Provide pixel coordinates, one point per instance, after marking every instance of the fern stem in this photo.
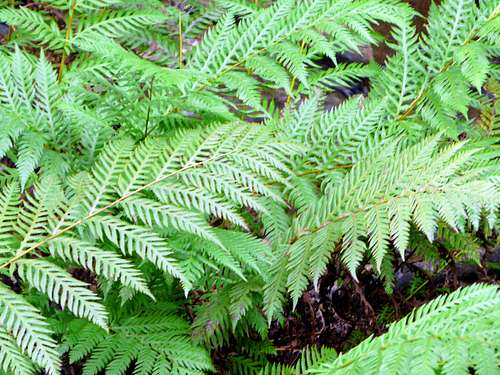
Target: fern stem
(69, 22)
(110, 205)
(318, 171)
(149, 107)
(292, 84)
(180, 39)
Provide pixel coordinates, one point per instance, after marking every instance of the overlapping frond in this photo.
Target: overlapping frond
(374, 203)
(63, 289)
(147, 215)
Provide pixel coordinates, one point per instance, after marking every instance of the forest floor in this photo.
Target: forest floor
(341, 315)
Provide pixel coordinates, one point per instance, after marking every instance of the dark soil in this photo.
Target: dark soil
(341, 312)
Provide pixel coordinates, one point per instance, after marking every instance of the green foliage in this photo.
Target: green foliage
(158, 201)
(140, 338)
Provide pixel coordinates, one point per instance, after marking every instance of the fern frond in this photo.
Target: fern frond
(449, 26)
(34, 25)
(474, 63)
(102, 262)
(343, 75)
(116, 24)
(30, 152)
(377, 206)
(9, 200)
(108, 168)
(155, 333)
(63, 289)
(153, 213)
(11, 358)
(29, 329)
(33, 217)
(132, 239)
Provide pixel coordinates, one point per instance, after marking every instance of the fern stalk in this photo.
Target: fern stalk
(294, 79)
(180, 39)
(69, 22)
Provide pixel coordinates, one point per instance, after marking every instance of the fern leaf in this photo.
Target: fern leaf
(297, 281)
(474, 63)
(102, 262)
(353, 247)
(117, 24)
(63, 289)
(141, 166)
(9, 200)
(11, 358)
(108, 168)
(29, 329)
(276, 283)
(33, 217)
(193, 198)
(46, 92)
(132, 239)
(152, 213)
(31, 146)
(378, 227)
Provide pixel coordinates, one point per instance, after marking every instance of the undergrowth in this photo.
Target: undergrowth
(159, 204)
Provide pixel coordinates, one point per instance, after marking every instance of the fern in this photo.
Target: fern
(380, 206)
(29, 329)
(160, 152)
(91, 247)
(309, 358)
(368, 160)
